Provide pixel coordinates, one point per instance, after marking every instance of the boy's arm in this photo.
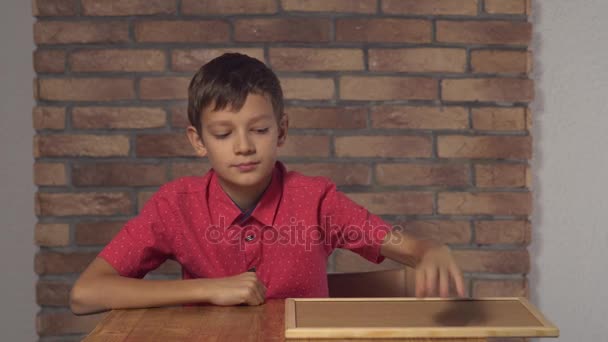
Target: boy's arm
(433, 262)
(101, 288)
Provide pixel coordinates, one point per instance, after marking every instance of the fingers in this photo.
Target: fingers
(444, 282)
(431, 281)
(458, 280)
(256, 290)
(420, 283)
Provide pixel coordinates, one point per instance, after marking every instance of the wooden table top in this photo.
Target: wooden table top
(203, 323)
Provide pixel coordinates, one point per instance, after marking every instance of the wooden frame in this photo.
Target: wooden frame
(541, 327)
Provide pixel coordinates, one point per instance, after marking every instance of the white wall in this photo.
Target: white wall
(569, 281)
(17, 220)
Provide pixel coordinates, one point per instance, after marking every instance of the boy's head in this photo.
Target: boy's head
(225, 82)
(235, 109)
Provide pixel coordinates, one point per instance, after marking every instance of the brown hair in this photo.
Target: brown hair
(226, 81)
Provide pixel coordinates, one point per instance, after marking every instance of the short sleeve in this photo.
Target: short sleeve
(143, 243)
(351, 226)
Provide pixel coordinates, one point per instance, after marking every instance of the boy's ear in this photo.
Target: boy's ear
(196, 141)
(283, 127)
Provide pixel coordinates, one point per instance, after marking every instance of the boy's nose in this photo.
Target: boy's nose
(243, 145)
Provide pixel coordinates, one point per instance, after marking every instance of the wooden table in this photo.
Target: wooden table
(204, 323)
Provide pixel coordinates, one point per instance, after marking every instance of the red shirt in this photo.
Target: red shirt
(287, 238)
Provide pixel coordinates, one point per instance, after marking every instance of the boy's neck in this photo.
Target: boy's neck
(246, 198)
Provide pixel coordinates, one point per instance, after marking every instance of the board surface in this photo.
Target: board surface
(413, 317)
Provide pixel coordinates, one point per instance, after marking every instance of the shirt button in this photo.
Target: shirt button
(249, 238)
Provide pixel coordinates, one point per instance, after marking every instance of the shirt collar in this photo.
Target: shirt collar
(221, 205)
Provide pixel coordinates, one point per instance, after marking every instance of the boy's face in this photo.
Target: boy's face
(231, 140)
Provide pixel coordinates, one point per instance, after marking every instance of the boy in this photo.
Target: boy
(247, 230)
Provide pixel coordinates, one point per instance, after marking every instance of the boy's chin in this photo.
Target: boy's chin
(247, 179)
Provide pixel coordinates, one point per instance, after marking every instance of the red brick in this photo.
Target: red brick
(86, 89)
(529, 119)
(117, 60)
(501, 261)
(83, 203)
(499, 119)
(118, 174)
(500, 175)
(377, 88)
(383, 30)
(65, 322)
(434, 7)
(81, 146)
(179, 116)
(164, 145)
(48, 117)
(189, 169)
(142, 199)
(43, 8)
(422, 174)
(500, 288)
(409, 117)
(485, 203)
(50, 174)
(292, 30)
(52, 293)
(51, 61)
(327, 117)
(308, 88)
(383, 146)
(352, 6)
(52, 234)
(96, 233)
(395, 203)
(502, 232)
(59, 32)
(418, 60)
(52, 263)
(305, 146)
(447, 232)
(488, 89)
(127, 7)
(346, 261)
(505, 6)
(164, 88)
(193, 59)
(118, 117)
(509, 147)
(341, 174)
(484, 32)
(207, 7)
(500, 62)
(313, 59)
(174, 31)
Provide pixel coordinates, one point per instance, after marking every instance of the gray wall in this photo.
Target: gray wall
(570, 239)
(570, 243)
(17, 309)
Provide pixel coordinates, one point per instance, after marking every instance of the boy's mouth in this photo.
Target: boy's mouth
(248, 166)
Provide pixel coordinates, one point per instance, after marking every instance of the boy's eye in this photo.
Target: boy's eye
(221, 136)
(261, 130)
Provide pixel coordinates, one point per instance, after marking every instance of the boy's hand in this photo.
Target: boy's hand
(435, 271)
(244, 288)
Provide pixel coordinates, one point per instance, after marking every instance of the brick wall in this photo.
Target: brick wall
(417, 109)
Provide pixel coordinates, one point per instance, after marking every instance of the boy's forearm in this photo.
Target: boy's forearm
(405, 248)
(106, 292)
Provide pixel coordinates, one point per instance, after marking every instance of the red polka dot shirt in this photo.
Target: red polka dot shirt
(287, 237)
